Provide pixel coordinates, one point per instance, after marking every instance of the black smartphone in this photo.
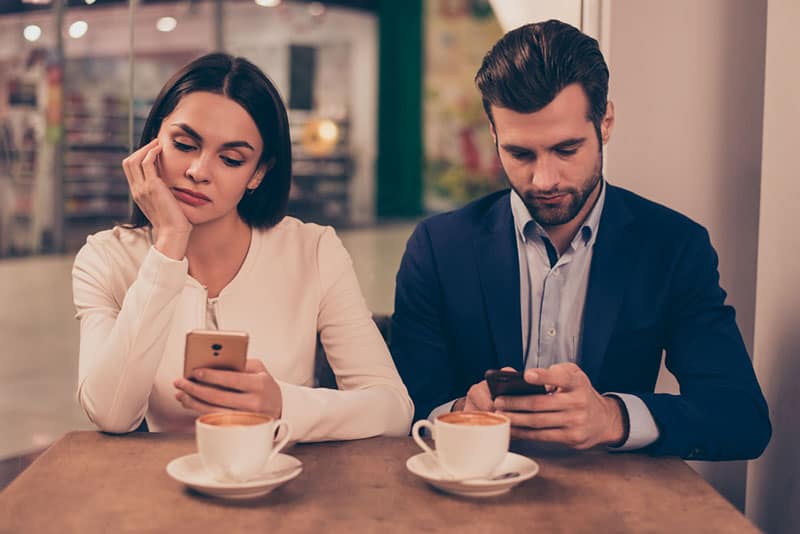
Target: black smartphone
(510, 383)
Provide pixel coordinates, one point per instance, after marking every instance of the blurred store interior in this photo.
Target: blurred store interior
(387, 128)
(77, 79)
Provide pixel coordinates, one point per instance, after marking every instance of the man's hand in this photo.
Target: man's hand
(573, 414)
(253, 390)
(478, 399)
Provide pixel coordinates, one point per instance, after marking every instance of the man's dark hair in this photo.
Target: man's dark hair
(244, 83)
(527, 68)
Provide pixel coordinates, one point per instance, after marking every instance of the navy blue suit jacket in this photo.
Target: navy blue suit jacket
(653, 286)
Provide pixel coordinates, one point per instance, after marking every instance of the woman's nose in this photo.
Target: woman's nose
(199, 170)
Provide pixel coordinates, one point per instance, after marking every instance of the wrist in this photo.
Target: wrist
(619, 427)
(172, 243)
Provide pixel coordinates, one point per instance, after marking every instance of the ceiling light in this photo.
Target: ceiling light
(78, 29)
(268, 3)
(315, 9)
(166, 24)
(89, 2)
(32, 32)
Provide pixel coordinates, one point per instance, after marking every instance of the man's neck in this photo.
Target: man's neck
(562, 235)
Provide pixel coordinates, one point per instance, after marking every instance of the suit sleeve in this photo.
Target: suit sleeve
(720, 413)
(419, 345)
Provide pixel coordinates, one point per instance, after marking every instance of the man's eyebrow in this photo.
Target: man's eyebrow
(197, 137)
(515, 148)
(574, 142)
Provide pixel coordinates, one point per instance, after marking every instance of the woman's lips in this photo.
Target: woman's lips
(193, 198)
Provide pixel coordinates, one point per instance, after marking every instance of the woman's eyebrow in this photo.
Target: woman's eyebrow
(199, 138)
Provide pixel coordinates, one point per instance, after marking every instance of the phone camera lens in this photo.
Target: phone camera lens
(216, 346)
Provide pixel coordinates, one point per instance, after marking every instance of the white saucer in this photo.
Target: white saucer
(190, 471)
(425, 466)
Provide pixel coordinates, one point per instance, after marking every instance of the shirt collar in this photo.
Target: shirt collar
(586, 235)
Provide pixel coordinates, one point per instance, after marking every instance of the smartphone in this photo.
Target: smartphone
(215, 349)
(510, 383)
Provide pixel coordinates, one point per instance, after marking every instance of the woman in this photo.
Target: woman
(210, 247)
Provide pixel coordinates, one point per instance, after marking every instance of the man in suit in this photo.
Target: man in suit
(577, 282)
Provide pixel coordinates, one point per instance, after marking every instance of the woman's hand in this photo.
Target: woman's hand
(253, 390)
(151, 194)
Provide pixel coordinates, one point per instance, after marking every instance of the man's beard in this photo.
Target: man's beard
(568, 208)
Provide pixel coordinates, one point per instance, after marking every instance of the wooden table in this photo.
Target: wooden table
(92, 482)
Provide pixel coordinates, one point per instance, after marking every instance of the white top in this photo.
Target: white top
(135, 307)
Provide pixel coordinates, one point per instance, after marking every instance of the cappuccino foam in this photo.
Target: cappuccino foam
(234, 419)
(472, 418)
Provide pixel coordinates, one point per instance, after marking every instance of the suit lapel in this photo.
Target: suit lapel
(612, 260)
(498, 268)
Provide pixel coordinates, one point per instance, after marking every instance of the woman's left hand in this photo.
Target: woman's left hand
(254, 390)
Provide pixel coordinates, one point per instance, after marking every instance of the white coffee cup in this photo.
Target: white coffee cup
(468, 444)
(237, 446)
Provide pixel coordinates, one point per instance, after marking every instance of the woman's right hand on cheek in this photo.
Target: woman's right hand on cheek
(151, 194)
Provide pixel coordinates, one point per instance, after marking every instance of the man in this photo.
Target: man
(579, 283)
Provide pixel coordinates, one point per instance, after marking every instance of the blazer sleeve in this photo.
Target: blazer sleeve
(419, 345)
(721, 413)
(121, 344)
(371, 399)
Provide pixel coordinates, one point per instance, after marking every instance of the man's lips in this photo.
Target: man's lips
(549, 198)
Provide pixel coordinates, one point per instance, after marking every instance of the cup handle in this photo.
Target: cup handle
(424, 423)
(282, 441)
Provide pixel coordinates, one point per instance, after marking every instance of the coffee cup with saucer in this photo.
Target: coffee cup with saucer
(238, 456)
(471, 455)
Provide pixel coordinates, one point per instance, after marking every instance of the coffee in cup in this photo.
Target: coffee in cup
(237, 446)
(468, 444)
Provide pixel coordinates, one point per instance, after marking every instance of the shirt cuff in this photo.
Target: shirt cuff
(643, 428)
(447, 407)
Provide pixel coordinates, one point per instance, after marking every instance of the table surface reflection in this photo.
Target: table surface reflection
(93, 482)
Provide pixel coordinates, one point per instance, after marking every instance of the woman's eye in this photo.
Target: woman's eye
(230, 162)
(183, 147)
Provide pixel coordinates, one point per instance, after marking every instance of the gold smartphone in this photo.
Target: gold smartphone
(215, 349)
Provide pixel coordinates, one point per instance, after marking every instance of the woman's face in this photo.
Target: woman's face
(210, 153)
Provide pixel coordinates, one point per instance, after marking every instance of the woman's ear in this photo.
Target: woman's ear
(260, 173)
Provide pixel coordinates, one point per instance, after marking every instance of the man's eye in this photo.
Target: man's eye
(566, 151)
(230, 162)
(183, 147)
(521, 155)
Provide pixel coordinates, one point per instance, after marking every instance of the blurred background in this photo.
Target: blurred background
(387, 127)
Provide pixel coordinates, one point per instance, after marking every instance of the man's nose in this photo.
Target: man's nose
(544, 175)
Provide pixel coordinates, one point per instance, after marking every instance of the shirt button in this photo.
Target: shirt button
(551, 332)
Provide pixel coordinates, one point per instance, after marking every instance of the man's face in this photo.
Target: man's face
(552, 157)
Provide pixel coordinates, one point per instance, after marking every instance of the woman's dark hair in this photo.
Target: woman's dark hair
(244, 83)
(527, 68)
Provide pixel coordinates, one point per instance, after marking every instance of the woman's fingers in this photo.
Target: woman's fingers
(132, 165)
(191, 403)
(149, 170)
(215, 396)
